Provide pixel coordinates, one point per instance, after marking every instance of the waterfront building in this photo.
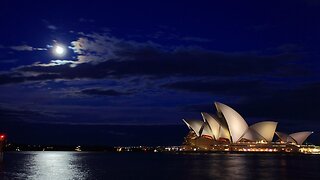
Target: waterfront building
(227, 130)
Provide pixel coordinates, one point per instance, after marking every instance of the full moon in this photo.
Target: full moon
(59, 50)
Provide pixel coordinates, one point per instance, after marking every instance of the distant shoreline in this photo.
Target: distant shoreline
(124, 149)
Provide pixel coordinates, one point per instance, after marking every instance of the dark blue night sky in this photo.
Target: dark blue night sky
(134, 69)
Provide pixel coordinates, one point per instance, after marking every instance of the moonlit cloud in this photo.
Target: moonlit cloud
(22, 48)
(99, 44)
(26, 48)
(49, 25)
(52, 27)
(95, 48)
(55, 63)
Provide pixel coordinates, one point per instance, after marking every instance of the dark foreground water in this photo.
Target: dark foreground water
(73, 165)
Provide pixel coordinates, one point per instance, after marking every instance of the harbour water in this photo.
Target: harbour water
(88, 165)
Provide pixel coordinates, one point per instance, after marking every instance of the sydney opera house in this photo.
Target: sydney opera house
(228, 131)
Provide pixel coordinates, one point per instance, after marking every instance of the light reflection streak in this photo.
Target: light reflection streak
(55, 165)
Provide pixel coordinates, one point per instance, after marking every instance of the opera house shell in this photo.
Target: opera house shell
(229, 127)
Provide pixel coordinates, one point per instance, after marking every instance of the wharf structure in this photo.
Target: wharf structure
(228, 131)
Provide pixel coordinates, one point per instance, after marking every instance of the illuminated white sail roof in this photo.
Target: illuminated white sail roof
(252, 135)
(194, 125)
(282, 136)
(224, 133)
(236, 124)
(300, 137)
(218, 128)
(214, 125)
(206, 130)
(297, 138)
(266, 129)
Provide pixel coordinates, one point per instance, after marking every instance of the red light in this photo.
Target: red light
(2, 137)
